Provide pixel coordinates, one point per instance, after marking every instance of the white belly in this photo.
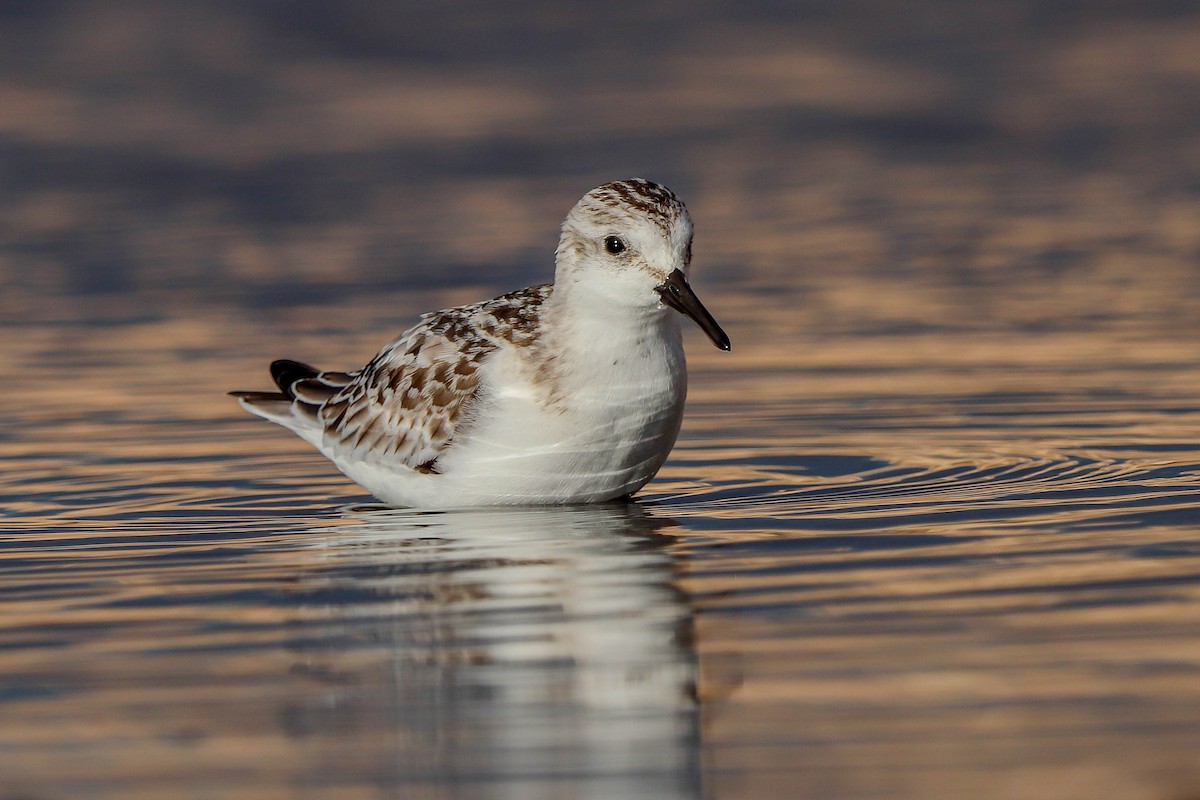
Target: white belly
(606, 435)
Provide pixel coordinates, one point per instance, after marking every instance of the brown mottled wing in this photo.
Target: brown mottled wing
(406, 405)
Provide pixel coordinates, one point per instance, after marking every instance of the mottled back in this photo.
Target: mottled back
(409, 402)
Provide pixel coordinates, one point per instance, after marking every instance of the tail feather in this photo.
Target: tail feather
(302, 391)
(275, 406)
(259, 397)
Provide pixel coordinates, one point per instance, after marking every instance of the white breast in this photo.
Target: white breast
(600, 429)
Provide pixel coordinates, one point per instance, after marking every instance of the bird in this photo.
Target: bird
(561, 393)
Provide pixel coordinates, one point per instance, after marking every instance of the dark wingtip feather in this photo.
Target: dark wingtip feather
(311, 391)
(285, 372)
(260, 397)
(337, 380)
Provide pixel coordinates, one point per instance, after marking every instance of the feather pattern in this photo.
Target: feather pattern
(406, 405)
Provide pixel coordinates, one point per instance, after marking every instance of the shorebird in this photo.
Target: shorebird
(570, 392)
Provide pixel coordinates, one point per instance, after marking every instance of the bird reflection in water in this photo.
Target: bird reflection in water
(510, 648)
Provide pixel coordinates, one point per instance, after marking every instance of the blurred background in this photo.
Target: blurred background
(1000, 162)
(930, 530)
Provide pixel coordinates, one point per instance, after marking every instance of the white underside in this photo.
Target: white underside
(607, 435)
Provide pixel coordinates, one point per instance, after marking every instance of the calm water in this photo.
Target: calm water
(932, 529)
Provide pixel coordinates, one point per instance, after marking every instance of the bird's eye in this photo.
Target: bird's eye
(614, 245)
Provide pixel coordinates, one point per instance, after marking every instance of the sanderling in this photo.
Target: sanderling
(570, 392)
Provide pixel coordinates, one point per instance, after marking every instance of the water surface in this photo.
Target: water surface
(932, 529)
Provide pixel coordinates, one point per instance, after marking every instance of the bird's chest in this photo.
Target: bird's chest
(604, 404)
(631, 396)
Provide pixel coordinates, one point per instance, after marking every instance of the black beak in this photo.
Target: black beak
(676, 293)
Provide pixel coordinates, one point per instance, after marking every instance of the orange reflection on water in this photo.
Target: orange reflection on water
(930, 530)
(950, 554)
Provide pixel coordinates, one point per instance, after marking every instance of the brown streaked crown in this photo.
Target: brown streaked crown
(658, 203)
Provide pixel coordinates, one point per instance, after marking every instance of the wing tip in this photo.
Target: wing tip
(286, 372)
